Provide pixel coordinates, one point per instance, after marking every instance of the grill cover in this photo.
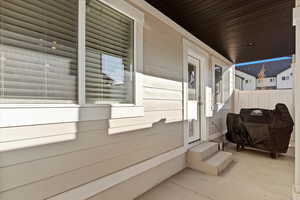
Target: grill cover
(268, 130)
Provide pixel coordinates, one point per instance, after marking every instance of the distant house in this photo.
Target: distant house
(244, 81)
(285, 79)
(265, 76)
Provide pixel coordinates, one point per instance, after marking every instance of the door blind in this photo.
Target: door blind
(109, 54)
(38, 51)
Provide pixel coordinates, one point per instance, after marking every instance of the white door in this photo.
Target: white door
(193, 102)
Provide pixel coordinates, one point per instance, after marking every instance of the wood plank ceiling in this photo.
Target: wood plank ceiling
(241, 30)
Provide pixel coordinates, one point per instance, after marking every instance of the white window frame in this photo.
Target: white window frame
(12, 115)
(118, 110)
(214, 62)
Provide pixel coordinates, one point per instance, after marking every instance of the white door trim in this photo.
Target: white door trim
(191, 49)
(193, 105)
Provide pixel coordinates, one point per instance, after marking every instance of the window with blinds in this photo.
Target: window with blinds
(109, 55)
(218, 84)
(38, 51)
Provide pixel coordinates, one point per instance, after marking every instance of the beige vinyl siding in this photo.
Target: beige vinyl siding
(44, 171)
(72, 169)
(136, 186)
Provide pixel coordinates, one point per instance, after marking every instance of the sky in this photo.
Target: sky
(263, 61)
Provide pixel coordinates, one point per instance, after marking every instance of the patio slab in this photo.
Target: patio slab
(253, 175)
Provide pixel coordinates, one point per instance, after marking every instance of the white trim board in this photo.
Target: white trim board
(190, 49)
(26, 116)
(296, 196)
(297, 188)
(156, 13)
(90, 189)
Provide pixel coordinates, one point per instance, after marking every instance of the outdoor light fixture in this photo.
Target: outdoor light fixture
(250, 44)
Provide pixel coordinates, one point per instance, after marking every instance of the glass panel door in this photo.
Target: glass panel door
(193, 99)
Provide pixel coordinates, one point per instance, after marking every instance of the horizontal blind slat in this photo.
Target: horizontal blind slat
(60, 39)
(38, 47)
(99, 20)
(35, 68)
(109, 54)
(67, 6)
(104, 29)
(108, 12)
(43, 10)
(37, 80)
(15, 39)
(94, 56)
(32, 93)
(44, 25)
(37, 29)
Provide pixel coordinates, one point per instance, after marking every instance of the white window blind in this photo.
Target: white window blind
(38, 51)
(109, 55)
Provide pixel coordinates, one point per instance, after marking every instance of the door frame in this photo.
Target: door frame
(193, 50)
(196, 102)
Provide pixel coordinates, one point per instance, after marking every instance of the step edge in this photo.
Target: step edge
(227, 155)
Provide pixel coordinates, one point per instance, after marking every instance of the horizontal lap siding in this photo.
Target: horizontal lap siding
(40, 172)
(66, 171)
(136, 186)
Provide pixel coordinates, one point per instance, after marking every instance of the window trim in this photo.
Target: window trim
(223, 65)
(138, 17)
(48, 113)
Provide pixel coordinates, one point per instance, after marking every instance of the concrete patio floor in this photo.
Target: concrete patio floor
(252, 176)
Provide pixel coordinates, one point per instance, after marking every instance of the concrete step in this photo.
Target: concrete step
(202, 151)
(218, 162)
(208, 160)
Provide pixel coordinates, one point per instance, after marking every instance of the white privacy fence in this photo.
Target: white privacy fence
(266, 99)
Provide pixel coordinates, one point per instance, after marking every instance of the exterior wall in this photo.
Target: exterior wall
(140, 184)
(288, 82)
(266, 83)
(217, 123)
(42, 172)
(249, 82)
(25, 173)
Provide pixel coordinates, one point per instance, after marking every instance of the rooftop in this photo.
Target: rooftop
(271, 68)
